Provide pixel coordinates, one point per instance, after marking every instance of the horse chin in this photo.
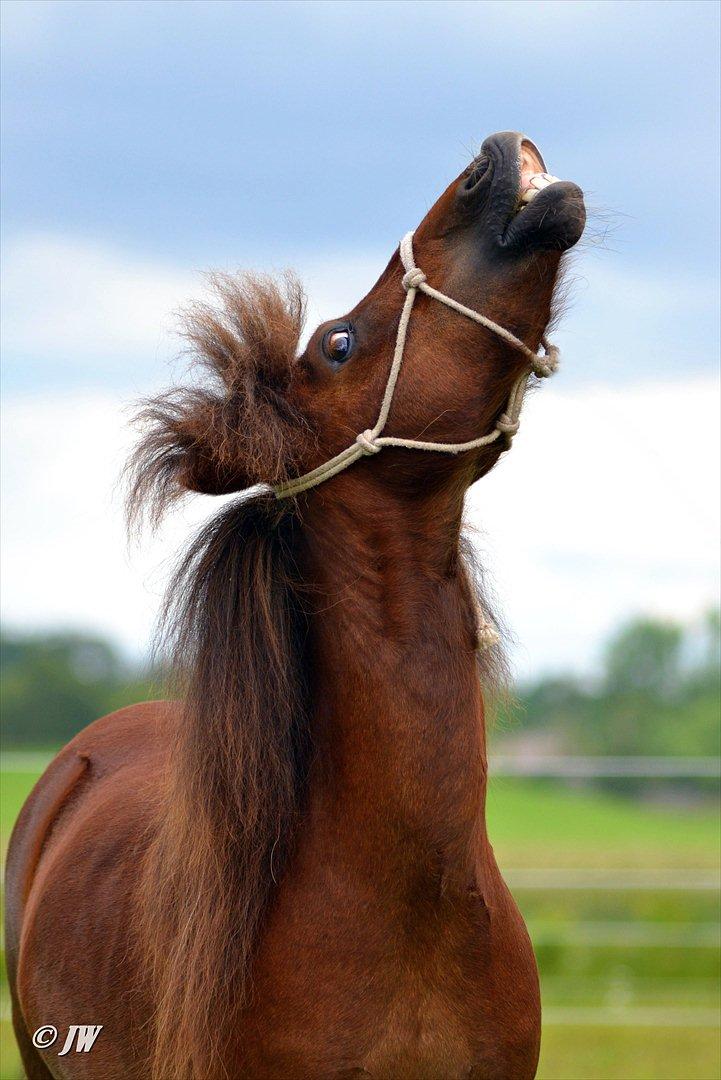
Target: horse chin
(553, 221)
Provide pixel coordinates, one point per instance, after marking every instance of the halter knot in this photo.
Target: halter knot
(507, 425)
(486, 636)
(413, 278)
(546, 365)
(367, 442)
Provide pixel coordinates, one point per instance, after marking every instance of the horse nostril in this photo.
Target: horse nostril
(480, 170)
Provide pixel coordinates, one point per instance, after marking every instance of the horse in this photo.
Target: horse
(284, 871)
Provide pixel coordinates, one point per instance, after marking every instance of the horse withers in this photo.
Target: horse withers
(286, 872)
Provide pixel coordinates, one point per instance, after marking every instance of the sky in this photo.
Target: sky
(144, 143)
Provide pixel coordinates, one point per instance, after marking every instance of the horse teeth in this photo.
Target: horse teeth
(537, 183)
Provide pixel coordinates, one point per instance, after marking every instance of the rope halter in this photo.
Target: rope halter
(372, 441)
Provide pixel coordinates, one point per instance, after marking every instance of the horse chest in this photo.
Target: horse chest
(420, 1036)
(354, 982)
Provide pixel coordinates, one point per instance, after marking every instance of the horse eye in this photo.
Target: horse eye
(338, 344)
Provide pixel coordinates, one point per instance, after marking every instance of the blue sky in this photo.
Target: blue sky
(144, 142)
(202, 128)
(244, 133)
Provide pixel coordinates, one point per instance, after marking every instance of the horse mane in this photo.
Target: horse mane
(233, 629)
(234, 789)
(236, 427)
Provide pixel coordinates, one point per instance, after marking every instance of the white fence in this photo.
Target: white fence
(563, 768)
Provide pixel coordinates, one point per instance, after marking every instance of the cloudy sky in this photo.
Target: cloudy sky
(147, 142)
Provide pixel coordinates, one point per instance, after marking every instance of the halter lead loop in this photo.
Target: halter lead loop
(371, 441)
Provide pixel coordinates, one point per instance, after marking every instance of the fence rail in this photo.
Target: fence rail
(598, 766)
(629, 935)
(630, 1016)
(553, 766)
(614, 880)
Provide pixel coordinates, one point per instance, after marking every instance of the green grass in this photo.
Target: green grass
(10, 1068)
(14, 789)
(13, 793)
(621, 1053)
(602, 951)
(536, 823)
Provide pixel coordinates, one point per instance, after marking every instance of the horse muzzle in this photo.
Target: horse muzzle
(518, 205)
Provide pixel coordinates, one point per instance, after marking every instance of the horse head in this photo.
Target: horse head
(273, 414)
(481, 245)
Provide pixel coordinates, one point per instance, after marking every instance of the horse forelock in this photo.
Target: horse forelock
(236, 427)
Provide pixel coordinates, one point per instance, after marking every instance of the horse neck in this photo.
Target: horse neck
(397, 710)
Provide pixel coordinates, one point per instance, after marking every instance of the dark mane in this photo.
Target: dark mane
(237, 429)
(237, 776)
(233, 629)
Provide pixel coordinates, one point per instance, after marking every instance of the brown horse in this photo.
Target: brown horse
(288, 874)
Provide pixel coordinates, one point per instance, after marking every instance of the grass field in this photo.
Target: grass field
(630, 979)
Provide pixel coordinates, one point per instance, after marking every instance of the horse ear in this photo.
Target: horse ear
(241, 429)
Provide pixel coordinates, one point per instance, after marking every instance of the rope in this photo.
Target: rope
(371, 441)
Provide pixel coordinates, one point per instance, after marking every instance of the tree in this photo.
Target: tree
(644, 657)
(55, 684)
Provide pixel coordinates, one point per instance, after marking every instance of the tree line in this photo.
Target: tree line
(657, 691)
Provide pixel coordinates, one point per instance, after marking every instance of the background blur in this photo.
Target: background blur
(147, 142)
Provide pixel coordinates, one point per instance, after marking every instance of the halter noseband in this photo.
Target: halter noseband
(371, 441)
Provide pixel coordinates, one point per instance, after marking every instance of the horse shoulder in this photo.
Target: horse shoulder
(114, 741)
